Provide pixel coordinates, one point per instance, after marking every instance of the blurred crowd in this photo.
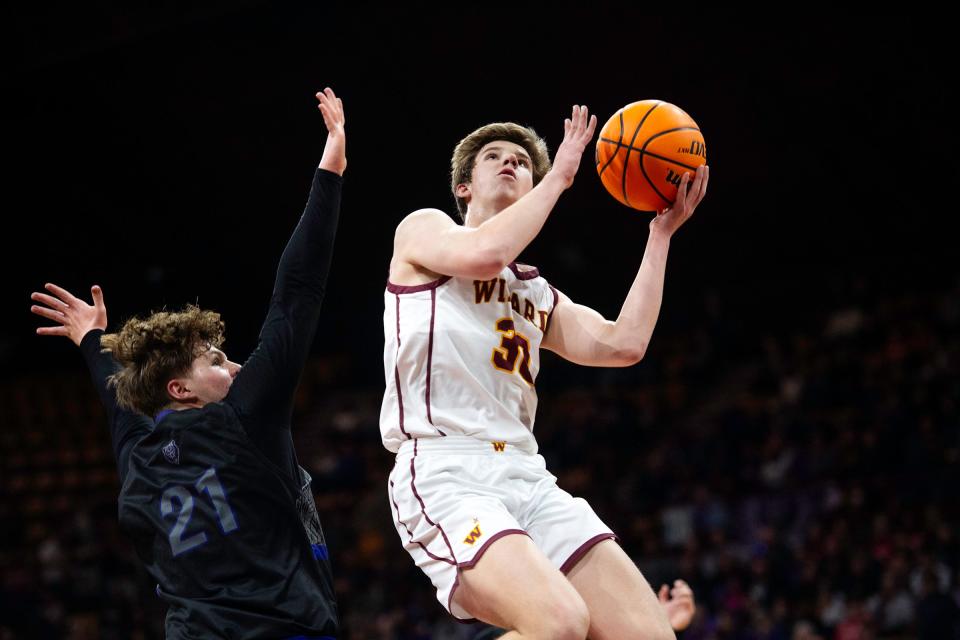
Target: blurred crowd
(803, 480)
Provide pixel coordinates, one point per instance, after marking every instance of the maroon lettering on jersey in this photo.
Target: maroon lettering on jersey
(528, 310)
(544, 317)
(484, 289)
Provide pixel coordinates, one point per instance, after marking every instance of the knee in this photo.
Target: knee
(568, 619)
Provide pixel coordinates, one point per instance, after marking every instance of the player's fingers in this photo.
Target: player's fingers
(97, 293)
(331, 104)
(703, 185)
(591, 127)
(682, 588)
(49, 314)
(664, 593)
(50, 301)
(567, 125)
(698, 182)
(61, 293)
(682, 593)
(697, 179)
(52, 331)
(693, 192)
(343, 118)
(327, 117)
(682, 191)
(693, 200)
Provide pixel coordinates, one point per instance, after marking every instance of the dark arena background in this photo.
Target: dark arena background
(790, 443)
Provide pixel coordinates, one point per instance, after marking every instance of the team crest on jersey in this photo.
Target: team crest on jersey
(499, 446)
(473, 535)
(171, 452)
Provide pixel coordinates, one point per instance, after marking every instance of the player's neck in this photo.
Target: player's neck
(182, 406)
(480, 213)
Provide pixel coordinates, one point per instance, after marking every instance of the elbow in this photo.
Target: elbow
(488, 262)
(631, 355)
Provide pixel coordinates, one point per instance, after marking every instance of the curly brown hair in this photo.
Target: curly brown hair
(155, 349)
(465, 154)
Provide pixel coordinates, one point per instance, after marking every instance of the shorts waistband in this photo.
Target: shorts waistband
(459, 444)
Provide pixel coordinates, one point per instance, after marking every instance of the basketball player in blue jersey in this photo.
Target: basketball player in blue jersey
(472, 501)
(219, 509)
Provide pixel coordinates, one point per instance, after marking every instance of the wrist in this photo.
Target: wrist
(555, 181)
(90, 338)
(658, 234)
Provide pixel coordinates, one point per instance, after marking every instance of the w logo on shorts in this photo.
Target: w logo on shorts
(473, 535)
(499, 446)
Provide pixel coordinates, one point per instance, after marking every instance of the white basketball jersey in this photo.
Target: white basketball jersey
(461, 357)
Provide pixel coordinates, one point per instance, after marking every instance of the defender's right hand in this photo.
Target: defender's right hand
(334, 151)
(75, 317)
(577, 133)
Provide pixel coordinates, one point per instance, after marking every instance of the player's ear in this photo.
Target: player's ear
(178, 390)
(463, 190)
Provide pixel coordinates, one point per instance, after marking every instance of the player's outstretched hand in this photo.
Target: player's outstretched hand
(688, 197)
(75, 317)
(678, 604)
(577, 133)
(335, 150)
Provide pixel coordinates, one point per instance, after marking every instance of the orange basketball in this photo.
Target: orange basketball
(643, 151)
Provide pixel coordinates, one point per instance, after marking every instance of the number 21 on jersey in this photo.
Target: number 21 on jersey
(210, 484)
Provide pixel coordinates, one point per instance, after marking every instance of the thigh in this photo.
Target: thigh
(620, 600)
(444, 525)
(514, 586)
(565, 528)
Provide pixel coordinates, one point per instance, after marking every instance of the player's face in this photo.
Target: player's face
(502, 173)
(211, 376)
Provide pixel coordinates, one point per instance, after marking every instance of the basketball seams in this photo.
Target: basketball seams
(619, 144)
(669, 160)
(626, 160)
(641, 149)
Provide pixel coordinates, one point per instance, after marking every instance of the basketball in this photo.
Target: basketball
(643, 151)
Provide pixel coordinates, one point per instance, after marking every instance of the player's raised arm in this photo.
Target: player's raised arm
(501, 219)
(83, 324)
(585, 337)
(263, 389)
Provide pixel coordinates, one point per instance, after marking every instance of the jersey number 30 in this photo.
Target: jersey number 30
(513, 354)
(210, 484)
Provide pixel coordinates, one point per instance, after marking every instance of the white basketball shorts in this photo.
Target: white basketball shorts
(453, 496)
